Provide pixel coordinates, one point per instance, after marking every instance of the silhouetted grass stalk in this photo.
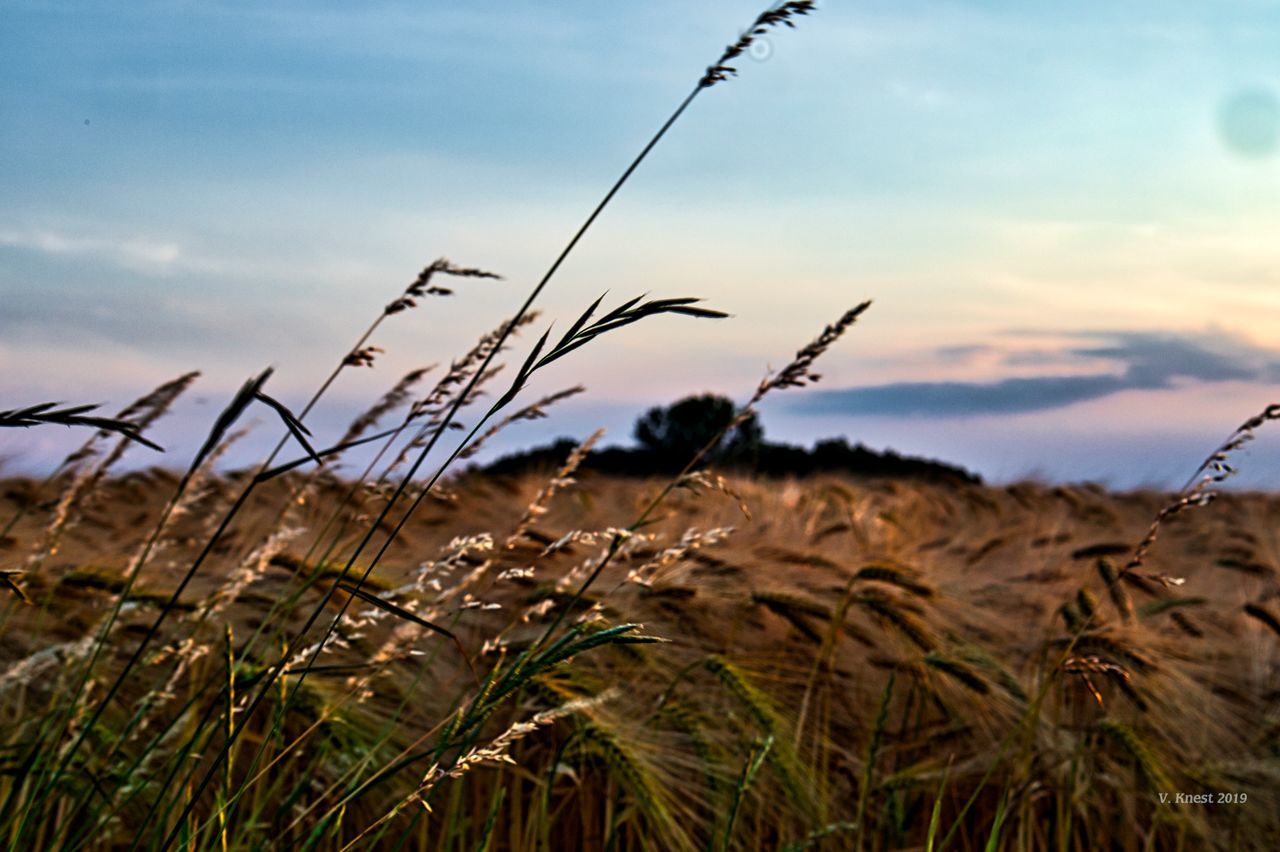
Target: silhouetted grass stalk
(248, 393)
(780, 14)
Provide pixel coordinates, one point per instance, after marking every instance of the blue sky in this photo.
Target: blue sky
(1065, 213)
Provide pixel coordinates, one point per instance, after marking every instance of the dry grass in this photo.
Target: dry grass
(794, 644)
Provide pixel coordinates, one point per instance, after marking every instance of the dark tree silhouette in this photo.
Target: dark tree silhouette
(674, 433)
(669, 436)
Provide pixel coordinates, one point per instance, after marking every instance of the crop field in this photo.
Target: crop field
(822, 663)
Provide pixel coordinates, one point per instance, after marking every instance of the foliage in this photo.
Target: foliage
(674, 433)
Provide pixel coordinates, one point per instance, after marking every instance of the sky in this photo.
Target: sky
(1066, 214)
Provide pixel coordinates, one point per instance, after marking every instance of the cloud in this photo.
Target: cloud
(962, 352)
(1145, 361)
(139, 254)
(1152, 361)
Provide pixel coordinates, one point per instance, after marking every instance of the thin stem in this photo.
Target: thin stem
(276, 670)
(239, 503)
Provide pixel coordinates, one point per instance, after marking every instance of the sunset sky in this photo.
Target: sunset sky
(1068, 215)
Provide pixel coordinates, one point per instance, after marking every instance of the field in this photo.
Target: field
(328, 652)
(822, 663)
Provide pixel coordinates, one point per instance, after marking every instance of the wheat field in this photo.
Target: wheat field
(823, 663)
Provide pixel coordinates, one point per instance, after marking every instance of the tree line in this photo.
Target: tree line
(668, 436)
